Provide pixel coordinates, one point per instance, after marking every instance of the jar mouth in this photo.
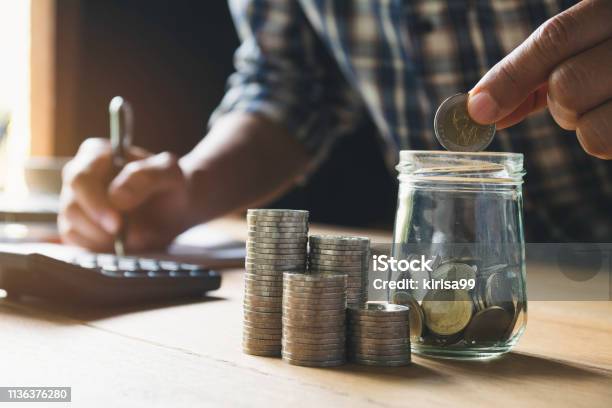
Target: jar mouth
(460, 167)
(405, 154)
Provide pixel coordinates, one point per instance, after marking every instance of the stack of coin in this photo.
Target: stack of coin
(276, 244)
(314, 316)
(378, 334)
(343, 255)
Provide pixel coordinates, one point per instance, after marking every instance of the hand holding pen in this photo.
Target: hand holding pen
(109, 179)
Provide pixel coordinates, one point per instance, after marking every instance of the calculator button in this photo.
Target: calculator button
(179, 274)
(198, 272)
(190, 267)
(169, 266)
(106, 260)
(128, 265)
(112, 273)
(135, 274)
(87, 264)
(148, 264)
(158, 274)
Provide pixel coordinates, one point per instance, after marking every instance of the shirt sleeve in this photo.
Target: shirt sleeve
(284, 72)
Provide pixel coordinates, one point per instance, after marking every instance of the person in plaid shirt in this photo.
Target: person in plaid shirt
(306, 70)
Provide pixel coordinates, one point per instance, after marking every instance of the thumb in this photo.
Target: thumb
(141, 179)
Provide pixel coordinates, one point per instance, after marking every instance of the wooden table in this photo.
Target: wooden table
(179, 355)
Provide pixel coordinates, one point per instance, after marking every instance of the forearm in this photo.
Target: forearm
(244, 160)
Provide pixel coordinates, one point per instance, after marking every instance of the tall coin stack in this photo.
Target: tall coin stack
(343, 255)
(314, 320)
(379, 334)
(276, 244)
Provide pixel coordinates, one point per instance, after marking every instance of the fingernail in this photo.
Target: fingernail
(109, 223)
(482, 108)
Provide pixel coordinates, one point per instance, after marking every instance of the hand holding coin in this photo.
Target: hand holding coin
(565, 65)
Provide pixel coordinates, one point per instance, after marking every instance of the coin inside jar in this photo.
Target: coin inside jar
(456, 131)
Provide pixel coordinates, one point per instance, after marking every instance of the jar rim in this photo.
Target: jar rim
(441, 166)
(509, 155)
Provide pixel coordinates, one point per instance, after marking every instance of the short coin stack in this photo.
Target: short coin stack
(276, 244)
(314, 319)
(379, 334)
(343, 255)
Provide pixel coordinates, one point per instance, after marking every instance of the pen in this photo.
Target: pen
(121, 121)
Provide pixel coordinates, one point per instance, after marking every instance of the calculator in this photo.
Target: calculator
(103, 279)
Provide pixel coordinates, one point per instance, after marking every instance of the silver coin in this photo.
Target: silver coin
(262, 336)
(456, 131)
(252, 347)
(320, 349)
(279, 246)
(259, 342)
(290, 311)
(259, 298)
(336, 258)
(262, 276)
(264, 272)
(321, 292)
(262, 353)
(318, 292)
(262, 309)
(315, 307)
(314, 327)
(339, 240)
(254, 222)
(297, 340)
(255, 235)
(255, 257)
(277, 212)
(280, 264)
(304, 336)
(315, 302)
(332, 247)
(294, 240)
(264, 286)
(263, 292)
(390, 363)
(314, 279)
(314, 322)
(316, 251)
(253, 300)
(287, 218)
(256, 267)
(314, 296)
(309, 363)
(314, 355)
(276, 252)
(273, 230)
(264, 323)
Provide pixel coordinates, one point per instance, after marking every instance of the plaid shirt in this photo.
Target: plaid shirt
(316, 65)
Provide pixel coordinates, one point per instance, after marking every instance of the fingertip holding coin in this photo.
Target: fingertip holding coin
(481, 107)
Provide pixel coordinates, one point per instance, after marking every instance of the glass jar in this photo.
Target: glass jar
(460, 217)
